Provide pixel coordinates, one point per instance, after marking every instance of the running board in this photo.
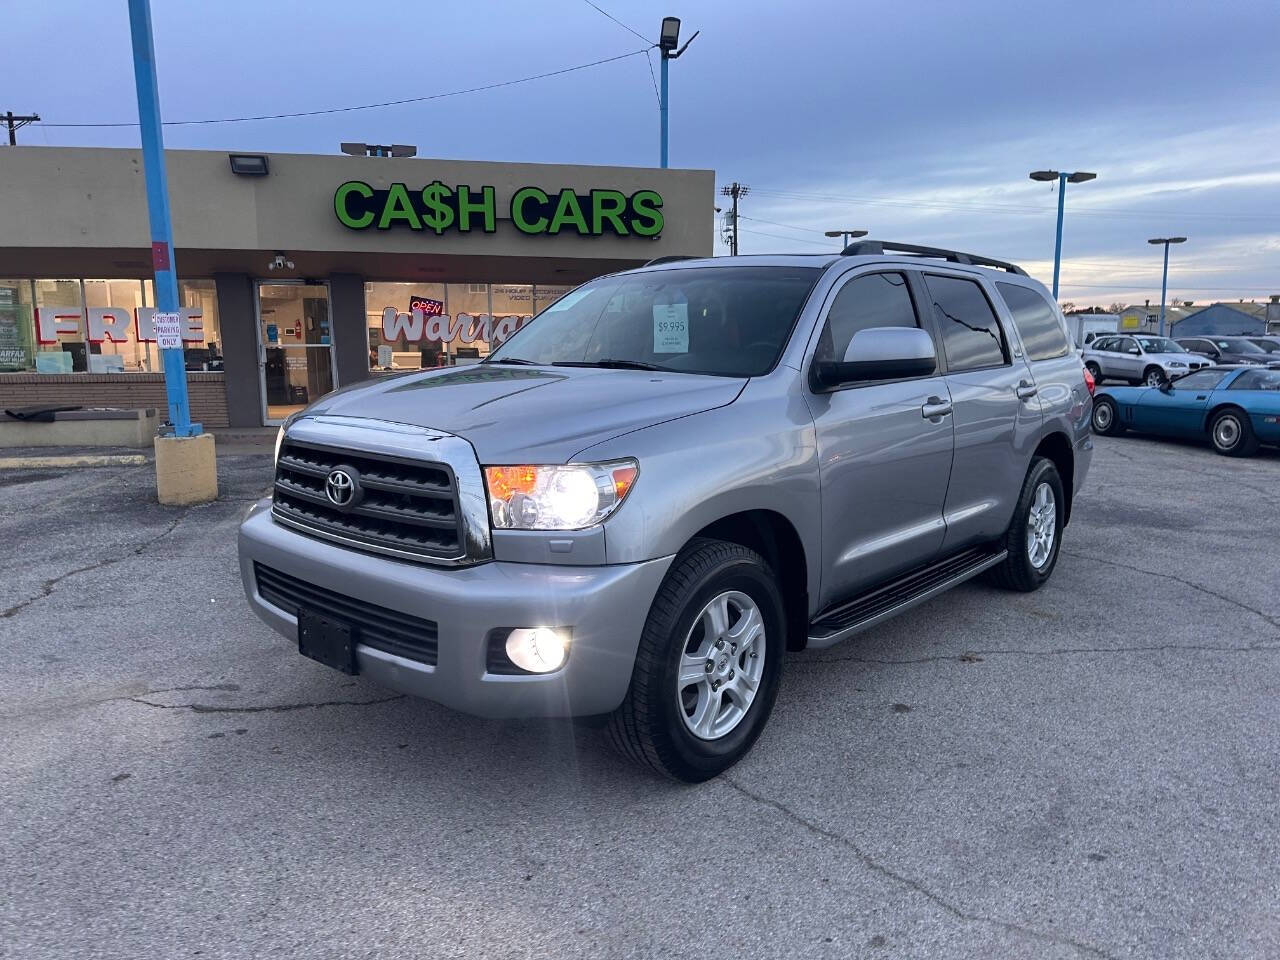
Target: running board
(880, 603)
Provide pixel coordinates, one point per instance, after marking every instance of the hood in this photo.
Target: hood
(1187, 358)
(532, 414)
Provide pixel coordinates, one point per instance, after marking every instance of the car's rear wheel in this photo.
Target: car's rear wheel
(1153, 376)
(1232, 433)
(1034, 536)
(1095, 371)
(1106, 417)
(707, 670)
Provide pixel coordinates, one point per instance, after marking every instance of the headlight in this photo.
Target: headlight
(568, 497)
(1175, 363)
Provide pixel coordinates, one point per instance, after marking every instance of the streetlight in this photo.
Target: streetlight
(668, 39)
(1063, 179)
(847, 234)
(1164, 279)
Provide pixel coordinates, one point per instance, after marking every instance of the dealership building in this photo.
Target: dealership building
(302, 273)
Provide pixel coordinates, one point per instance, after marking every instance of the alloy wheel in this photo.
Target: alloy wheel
(1042, 526)
(1226, 432)
(721, 665)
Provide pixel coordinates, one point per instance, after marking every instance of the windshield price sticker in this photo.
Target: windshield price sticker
(670, 328)
(168, 331)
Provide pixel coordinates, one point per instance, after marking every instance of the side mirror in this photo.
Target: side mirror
(1165, 386)
(1134, 351)
(879, 353)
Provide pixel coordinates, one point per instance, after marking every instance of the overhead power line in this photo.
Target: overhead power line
(369, 106)
(778, 236)
(606, 13)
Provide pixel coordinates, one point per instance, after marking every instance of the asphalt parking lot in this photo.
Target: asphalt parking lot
(1087, 771)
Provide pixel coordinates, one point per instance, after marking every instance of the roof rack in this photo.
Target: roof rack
(671, 259)
(861, 248)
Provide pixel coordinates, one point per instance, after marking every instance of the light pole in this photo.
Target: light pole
(1164, 278)
(847, 235)
(668, 39)
(1063, 179)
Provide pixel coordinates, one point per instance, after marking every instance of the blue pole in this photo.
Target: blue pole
(663, 108)
(1164, 285)
(1057, 247)
(144, 74)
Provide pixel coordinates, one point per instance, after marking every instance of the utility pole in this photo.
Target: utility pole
(736, 191)
(17, 120)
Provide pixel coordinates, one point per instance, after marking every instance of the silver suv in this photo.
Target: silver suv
(670, 477)
(1140, 359)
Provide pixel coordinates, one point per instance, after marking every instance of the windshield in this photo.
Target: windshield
(1160, 345)
(727, 321)
(1238, 346)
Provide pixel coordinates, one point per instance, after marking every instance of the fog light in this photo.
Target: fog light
(537, 649)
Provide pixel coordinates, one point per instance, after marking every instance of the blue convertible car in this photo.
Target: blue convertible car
(1237, 408)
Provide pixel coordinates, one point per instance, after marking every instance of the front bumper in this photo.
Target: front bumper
(605, 606)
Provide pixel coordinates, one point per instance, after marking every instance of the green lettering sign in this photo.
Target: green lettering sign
(438, 207)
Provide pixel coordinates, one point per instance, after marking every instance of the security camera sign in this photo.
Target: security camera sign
(168, 330)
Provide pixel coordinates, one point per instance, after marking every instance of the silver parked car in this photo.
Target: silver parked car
(1139, 358)
(670, 477)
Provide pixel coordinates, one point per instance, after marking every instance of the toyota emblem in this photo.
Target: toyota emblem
(339, 488)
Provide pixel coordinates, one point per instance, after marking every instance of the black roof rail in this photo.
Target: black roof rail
(671, 259)
(863, 248)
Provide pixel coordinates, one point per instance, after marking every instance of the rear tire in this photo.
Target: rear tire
(1095, 371)
(1106, 417)
(655, 725)
(1232, 434)
(1034, 536)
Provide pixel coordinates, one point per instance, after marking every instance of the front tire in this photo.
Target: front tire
(1034, 536)
(1106, 417)
(708, 666)
(1153, 376)
(1232, 434)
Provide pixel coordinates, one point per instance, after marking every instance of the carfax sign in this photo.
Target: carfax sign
(438, 207)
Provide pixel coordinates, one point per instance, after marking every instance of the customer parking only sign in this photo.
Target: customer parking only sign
(168, 329)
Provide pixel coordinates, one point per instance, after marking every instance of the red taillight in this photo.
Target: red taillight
(1088, 381)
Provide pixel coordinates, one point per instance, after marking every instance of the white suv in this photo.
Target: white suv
(1140, 359)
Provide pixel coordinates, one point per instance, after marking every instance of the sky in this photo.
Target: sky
(918, 122)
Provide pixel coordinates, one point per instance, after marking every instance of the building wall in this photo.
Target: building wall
(207, 393)
(1219, 320)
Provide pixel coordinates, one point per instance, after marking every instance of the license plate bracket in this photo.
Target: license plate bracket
(327, 641)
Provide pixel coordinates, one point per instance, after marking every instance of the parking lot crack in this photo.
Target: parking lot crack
(47, 588)
(268, 708)
(916, 886)
(1275, 622)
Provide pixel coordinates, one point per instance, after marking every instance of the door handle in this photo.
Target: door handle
(935, 407)
(1027, 390)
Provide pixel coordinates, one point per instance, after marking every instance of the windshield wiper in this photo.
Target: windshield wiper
(513, 361)
(611, 364)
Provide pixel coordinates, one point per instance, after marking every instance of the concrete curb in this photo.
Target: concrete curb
(102, 460)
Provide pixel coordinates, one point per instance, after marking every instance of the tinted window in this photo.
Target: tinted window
(729, 321)
(971, 336)
(875, 300)
(1103, 343)
(1160, 345)
(1200, 380)
(1197, 345)
(1257, 380)
(1270, 346)
(1125, 344)
(1239, 346)
(1037, 322)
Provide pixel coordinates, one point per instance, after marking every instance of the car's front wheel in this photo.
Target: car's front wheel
(707, 670)
(1153, 376)
(1232, 433)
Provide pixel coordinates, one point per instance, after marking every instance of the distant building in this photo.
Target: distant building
(1216, 319)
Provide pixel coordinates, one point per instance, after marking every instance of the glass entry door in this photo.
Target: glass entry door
(295, 346)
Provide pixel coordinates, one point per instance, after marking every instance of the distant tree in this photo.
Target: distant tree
(1116, 307)
(1068, 306)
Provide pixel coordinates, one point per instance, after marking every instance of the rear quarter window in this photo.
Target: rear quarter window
(1042, 334)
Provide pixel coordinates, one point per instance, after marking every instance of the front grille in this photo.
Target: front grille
(404, 507)
(413, 638)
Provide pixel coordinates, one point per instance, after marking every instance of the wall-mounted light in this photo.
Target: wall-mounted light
(248, 164)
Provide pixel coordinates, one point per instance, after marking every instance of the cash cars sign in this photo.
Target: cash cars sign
(438, 207)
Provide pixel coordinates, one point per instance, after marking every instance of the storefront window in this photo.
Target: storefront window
(461, 322)
(61, 345)
(101, 326)
(397, 342)
(17, 331)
